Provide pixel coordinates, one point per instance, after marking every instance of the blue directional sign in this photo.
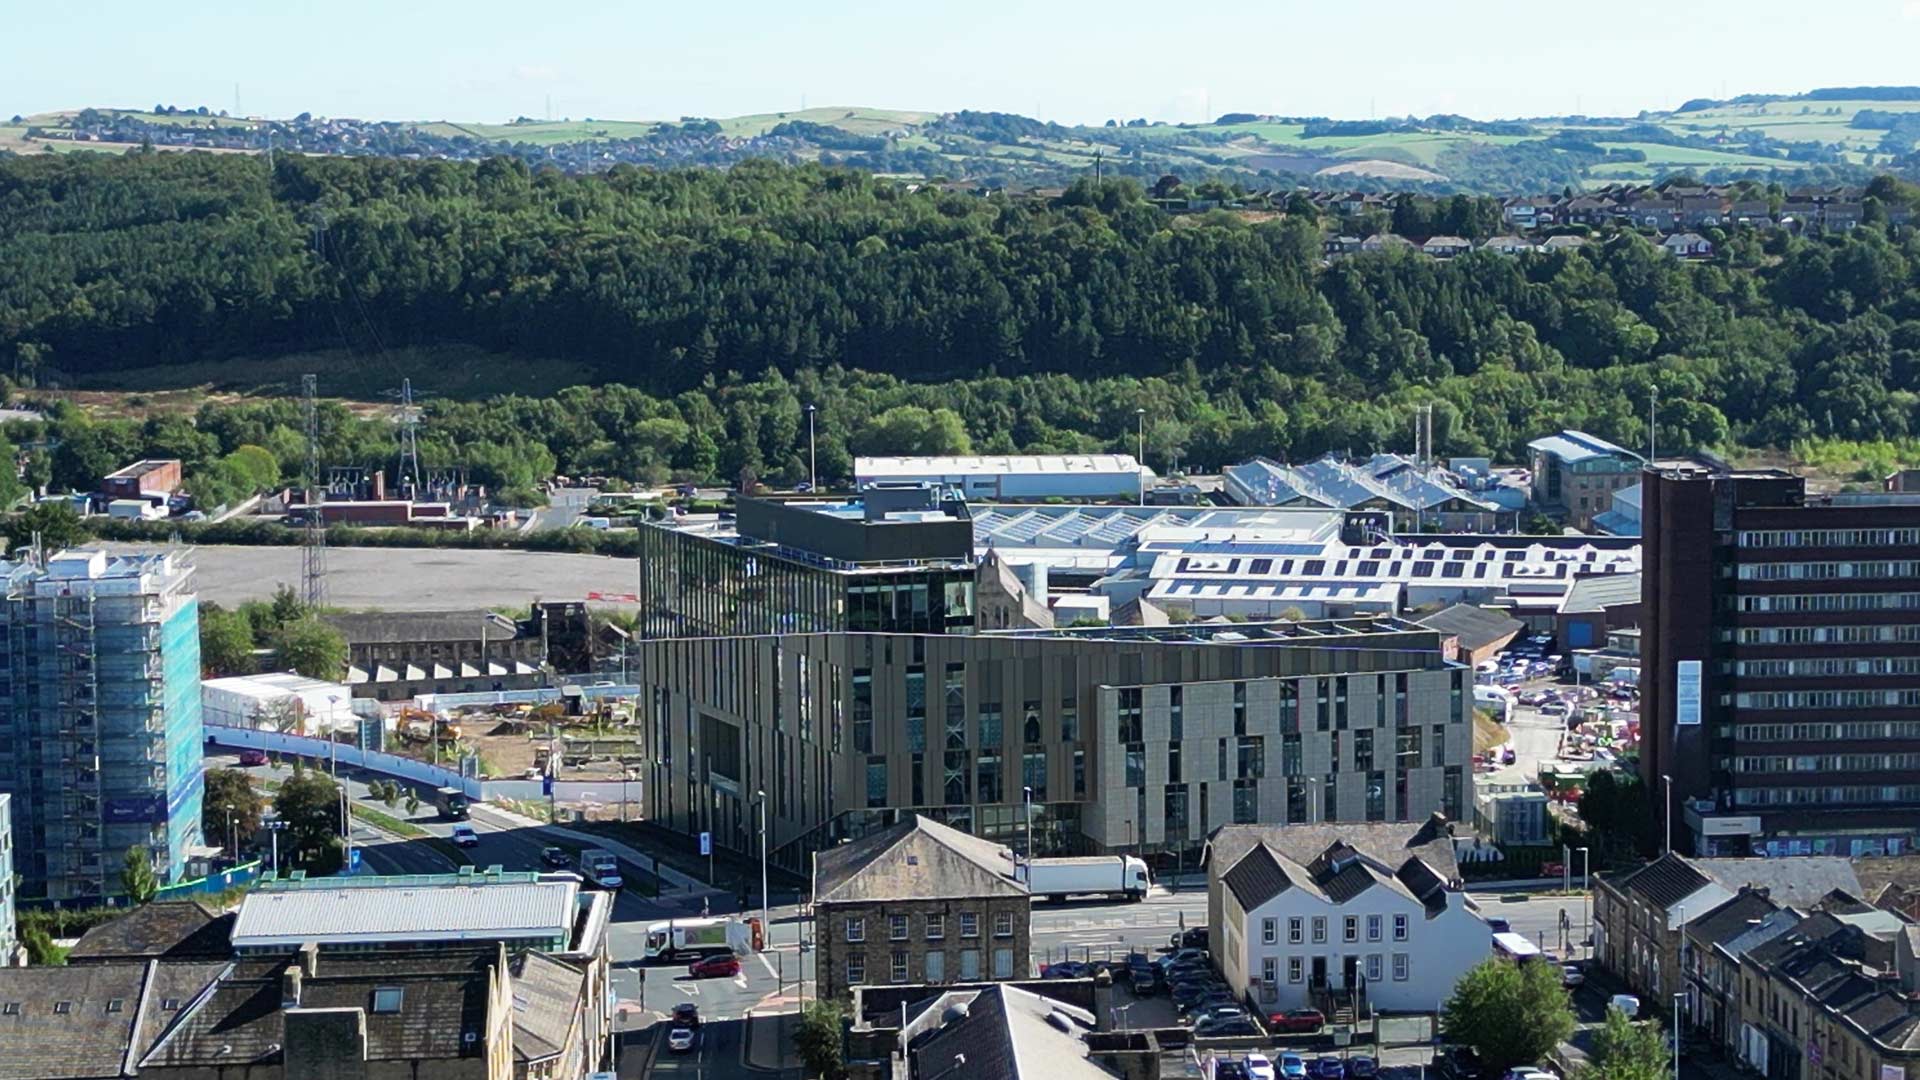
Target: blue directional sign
(706, 843)
(353, 860)
(546, 784)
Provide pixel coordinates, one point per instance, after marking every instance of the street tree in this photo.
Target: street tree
(312, 648)
(309, 803)
(226, 642)
(230, 791)
(137, 877)
(1627, 1050)
(1510, 1014)
(818, 1039)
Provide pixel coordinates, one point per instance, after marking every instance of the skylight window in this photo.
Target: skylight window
(386, 999)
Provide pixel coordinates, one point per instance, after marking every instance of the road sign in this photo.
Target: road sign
(706, 843)
(546, 784)
(353, 859)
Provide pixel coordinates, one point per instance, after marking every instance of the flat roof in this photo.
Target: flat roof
(996, 465)
(421, 908)
(1571, 445)
(143, 467)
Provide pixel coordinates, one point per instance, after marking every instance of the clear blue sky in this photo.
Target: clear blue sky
(1066, 60)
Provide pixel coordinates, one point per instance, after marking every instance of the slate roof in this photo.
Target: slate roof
(443, 998)
(1800, 882)
(1602, 591)
(1475, 626)
(547, 998)
(1731, 919)
(1257, 878)
(917, 859)
(86, 1039)
(1664, 882)
(1338, 873)
(1008, 1034)
(399, 627)
(169, 929)
(1390, 843)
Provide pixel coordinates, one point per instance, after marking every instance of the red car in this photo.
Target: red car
(250, 758)
(715, 967)
(1297, 1021)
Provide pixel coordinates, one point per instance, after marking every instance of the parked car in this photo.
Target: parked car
(1500, 926)
(686, 1014)
(1226, 1029)
(1231, 1070)
(726, 965)
(1458, 1063)
(1571, 975)
(1065, 969)
(556, 858)
(1221, 1011)
(1191, 995)
(1297, 1021)
(1293, 1067)
(682, 1040)
(464, 836)
(1528, 1072)
(1216, 997)
(1146, 983)
(1361, 1068)
(1329, 1068)
(1182, 956)
(1260, 1067)
(252, 758)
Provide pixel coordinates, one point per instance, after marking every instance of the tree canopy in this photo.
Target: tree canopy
(1510, 1014)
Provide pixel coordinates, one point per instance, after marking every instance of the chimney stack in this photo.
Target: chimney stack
(290, 987)
(309, 962)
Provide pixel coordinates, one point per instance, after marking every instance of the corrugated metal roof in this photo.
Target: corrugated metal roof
(996, 465)
(412, 912)
(1573, 445)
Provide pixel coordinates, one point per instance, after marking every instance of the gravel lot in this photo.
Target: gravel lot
(408, 579)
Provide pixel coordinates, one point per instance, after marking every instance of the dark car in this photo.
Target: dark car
(1194, 937)
(1231, 1070)
(1500, 926)
(1146, 983)
(1225, 1029)
(1183, 956)
(1217, 1012)
(686, 1014)
(1329, 1068)
(252, 758)
(724, 965)
(556, 858)
(1190, 994)
(1215, 998)
(1361, 1068)
(1066, 969)
(1297, 1021)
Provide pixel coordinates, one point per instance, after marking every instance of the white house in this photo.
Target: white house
(1346, 927)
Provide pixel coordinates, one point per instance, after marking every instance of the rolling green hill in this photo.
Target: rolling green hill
(1780, 138)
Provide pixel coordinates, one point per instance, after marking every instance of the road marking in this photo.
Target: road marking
(764, 962)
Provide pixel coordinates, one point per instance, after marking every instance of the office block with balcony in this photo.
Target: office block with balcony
(894, 559)
(100, 735)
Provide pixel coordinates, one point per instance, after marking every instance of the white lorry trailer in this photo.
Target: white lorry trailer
(1106, 875)
(698, 937)
(600, 868)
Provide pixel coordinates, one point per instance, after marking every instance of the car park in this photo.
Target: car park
(1297, 1021)
(726, 965)
(682, 1040)
(1329, 1068)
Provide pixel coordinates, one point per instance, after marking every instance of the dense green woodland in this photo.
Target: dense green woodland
(722, 302)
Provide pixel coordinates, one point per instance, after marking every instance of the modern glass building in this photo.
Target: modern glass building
(100, 731)
(891, 560)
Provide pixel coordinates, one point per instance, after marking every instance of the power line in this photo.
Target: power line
(407, 419)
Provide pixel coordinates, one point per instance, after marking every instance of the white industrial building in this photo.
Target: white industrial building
(275, 699)
(996, 477)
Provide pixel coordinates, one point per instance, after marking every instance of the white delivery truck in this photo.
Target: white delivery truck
(1497, 698)
(600, 868)
(698, 937)
(1107, 875)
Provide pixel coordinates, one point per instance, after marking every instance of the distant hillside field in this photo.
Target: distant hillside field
(1844, 134)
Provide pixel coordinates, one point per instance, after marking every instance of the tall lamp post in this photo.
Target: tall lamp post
(1140, 422)
(813, 471)
(274, 829)
(1586, 899)
(766, 928)
(1666, 800)
(1026, 799)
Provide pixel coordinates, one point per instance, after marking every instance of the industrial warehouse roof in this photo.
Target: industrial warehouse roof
(1383, 480)
(1600, 593)
(918, 859)
(389, 627)
(428, 908)
(887, 468)
(1475, 626)
(1571, 446)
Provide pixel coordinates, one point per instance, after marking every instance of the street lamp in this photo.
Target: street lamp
(1676, 1035)
(1586, 898)
(813, 471)
(766, 928)
(1667, 802)
(274, 829)
(1026, 798)
(346, 825)
(1140, 421)
(235, 848)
